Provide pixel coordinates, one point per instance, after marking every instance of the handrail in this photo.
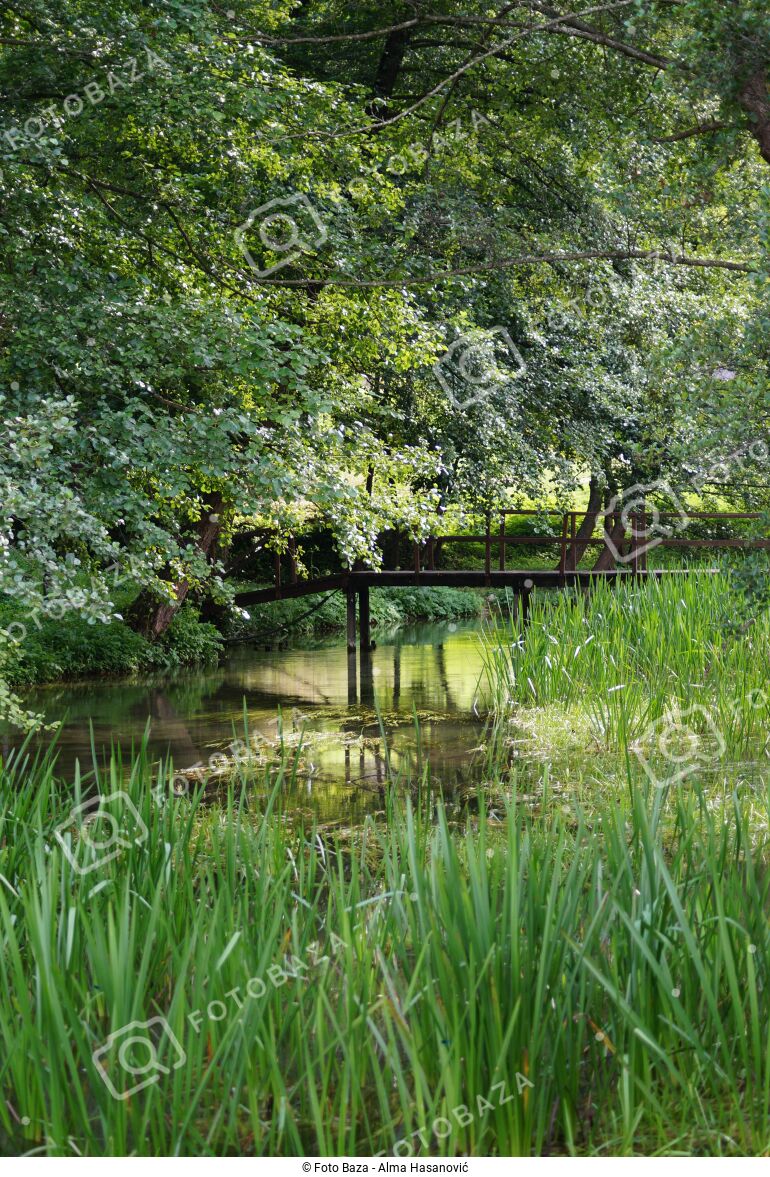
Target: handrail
(566, 541)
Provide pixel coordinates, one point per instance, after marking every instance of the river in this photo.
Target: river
(433, 673)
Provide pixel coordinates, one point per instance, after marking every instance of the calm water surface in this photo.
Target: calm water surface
(432, 671)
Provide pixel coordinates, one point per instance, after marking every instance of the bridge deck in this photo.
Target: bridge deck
(520, 580)
(571, 544)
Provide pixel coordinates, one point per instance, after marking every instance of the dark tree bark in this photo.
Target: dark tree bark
(389, 67)
(576, 551)
(606, 559)
(391, 542)
(151, 616)
(755, 100)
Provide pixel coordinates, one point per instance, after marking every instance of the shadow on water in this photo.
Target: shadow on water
(433, 672)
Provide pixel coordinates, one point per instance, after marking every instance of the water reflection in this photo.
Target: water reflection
(433, 672)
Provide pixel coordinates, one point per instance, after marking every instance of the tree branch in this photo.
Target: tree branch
(691, 132)
(572, 26)
(535, 259)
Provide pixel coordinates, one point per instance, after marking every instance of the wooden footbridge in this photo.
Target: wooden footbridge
(623, 551)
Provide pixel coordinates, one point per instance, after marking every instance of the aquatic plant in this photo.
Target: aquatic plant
(179, 976)
(639, 661)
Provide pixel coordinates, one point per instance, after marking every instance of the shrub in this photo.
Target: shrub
(75, 648)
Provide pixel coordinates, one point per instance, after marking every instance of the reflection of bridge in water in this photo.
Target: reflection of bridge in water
(347, 756)
(432, 671)
(623, 548)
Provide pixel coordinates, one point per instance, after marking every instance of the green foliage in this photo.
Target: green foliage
(148, 361)
(187, 641)
(76, 649)
(435, 604)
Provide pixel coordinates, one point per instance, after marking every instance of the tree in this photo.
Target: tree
(246, 253)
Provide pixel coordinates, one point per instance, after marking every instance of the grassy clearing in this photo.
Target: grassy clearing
(512, 986)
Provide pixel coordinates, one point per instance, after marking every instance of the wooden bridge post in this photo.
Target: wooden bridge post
(563, 549)
(365, 644)
(644, 536)
(573, 540)
(364, 619)
(525, 604)
(488, 551)
(634, 543)
(502, 541)
(277, 574)
(367, 676)
(351, 601)
(352, 668)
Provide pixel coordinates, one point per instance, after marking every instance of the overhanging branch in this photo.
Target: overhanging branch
(534, 259)
(690, 132)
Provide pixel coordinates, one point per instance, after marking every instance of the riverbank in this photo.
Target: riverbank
(53, 651)
(567, 955)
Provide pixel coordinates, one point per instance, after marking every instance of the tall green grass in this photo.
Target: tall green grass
(570, 986)
(625, 657)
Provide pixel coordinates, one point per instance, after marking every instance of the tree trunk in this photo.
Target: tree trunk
(149, 614)
(606, 559)
(391, 542)
(576, 551)
(755, 100)
(388, 69)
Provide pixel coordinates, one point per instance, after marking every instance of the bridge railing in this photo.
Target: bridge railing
(644, 526)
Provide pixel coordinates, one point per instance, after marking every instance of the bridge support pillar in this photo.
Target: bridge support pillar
(364, 619)
(365, 645)
(352, 667)
(352, 679)
(367, 678)
(351, 596)
(521, 607)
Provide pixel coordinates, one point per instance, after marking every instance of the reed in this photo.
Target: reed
(634, 660)
(539, 983)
